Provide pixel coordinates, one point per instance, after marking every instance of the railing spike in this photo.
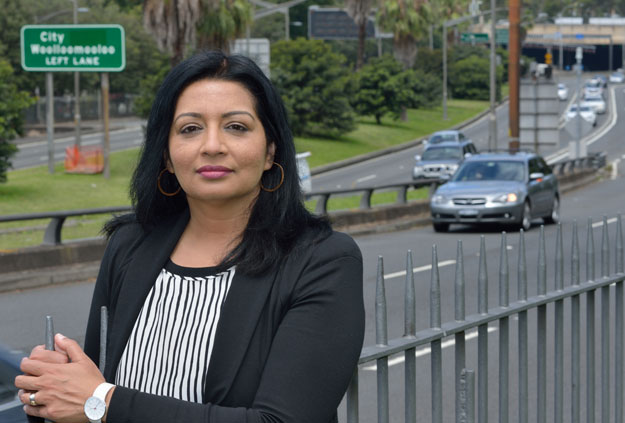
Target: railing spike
(575, 279)
(381, 334)
(559, 259)
(409, 299)
(605, 248)
(542, 263)
(504, 280)
(482, 280)
(618, 259)
(522, 268)
(435, 292)
(590, 252)
(459, 283)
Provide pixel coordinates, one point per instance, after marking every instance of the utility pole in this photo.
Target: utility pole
(76, 88)
(514, 68)
(492, 134)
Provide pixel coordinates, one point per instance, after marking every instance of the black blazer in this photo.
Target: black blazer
(286, 344)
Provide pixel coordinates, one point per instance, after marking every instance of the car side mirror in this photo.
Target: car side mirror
(536, 176)
(417, 157)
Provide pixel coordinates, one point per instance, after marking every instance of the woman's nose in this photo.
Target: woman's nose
(212, 142)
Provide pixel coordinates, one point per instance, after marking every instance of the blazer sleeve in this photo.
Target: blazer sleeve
(312, 357)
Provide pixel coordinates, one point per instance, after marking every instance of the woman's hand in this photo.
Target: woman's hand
(61, 380)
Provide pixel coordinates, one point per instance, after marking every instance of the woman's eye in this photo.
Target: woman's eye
(189, 129)
(237, 127)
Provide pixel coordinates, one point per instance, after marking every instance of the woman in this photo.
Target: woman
(228, 301)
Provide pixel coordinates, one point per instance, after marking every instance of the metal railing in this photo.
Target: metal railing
(464, 378)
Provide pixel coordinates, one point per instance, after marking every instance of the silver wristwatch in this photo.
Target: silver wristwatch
(95, 406)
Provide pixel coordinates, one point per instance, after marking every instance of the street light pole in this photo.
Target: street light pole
(76, 87)
(492, 136)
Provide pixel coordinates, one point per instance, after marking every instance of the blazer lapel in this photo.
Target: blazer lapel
(239, 317)
(142, 272)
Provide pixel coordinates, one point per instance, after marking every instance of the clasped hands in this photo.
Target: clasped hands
(61, 381)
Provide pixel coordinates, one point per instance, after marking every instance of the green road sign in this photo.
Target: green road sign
(502, 36)
(84, 48)
(474, 37)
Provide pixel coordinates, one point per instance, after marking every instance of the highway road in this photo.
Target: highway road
(22, 312)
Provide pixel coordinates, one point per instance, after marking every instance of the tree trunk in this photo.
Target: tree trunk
(362, 28)
(405, 50)
(378, 119)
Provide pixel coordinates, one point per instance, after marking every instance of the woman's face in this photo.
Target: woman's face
(217, 145)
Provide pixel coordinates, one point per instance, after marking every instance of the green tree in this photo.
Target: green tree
(408, 21)
(13, 103)
(315, 86)
(469, 78)
(148, 88)
(359, 11)
(383, 87)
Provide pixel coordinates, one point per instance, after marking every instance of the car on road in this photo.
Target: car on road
(603, 80)
(500, 187)
(11, 408)
(563, 91)
(593, 87)
(587, 113)
(617, 77)
(442, 159)
(596, 103)
(448, 135)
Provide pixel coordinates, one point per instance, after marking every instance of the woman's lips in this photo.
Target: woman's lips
(214, 172)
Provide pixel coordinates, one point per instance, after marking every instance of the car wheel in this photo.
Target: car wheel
(554, 217)
(526, 217)
(440, 227)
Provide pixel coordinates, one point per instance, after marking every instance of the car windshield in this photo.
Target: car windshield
(442, 153)
(561, 86)
(434, 139)
(593, 84)
(490, 171)
(582, 108)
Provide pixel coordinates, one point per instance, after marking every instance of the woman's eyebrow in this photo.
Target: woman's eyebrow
(237, 112)
(191, 114)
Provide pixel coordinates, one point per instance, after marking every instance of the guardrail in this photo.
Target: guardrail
(531, 397)
(52, 235)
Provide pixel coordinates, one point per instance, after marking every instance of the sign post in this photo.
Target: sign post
(73, 48)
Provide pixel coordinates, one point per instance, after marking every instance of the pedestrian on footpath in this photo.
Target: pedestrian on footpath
(228, 301)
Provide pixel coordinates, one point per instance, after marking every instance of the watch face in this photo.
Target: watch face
(95, 408)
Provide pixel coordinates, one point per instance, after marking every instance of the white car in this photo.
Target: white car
(617, 78)
(587, 113)
(563, 92)
(597, 104)
(593, 87)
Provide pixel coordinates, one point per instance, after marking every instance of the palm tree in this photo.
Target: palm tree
(223, 21)
(408, 20)
(173, 24)
(359, 11)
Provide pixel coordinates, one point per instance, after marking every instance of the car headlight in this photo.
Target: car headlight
(506, 198)
(439, 199)
(452, 168)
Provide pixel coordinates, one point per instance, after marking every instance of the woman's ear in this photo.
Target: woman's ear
(271, 153)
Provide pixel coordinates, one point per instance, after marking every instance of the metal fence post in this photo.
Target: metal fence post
(575, 330)
(590, 327)
(522, 341)
(410, 368)
(541, 334)
(381, 339)
(504, 301)
(618, 326)
(467, 397)
(559, 331)
(605, 326)
(460, 350)
(435, 346)
(482, 337)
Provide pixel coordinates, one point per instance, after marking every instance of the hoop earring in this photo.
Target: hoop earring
(281, 179)
(160, 188)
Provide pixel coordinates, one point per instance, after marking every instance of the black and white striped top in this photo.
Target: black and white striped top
(170, 345)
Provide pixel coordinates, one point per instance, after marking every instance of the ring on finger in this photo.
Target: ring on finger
(31, 398)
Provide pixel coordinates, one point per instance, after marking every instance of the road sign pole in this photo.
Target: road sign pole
(50, 120)
(105, 116)
(444, 72)
(578, 57)
(492, 136)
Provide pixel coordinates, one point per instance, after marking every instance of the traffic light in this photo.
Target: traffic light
(548, 58)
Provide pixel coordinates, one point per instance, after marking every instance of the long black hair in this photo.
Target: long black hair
(276, 217)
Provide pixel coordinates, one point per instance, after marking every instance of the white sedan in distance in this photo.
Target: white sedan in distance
(617, 78)
(596, 103)
(563, 92)
(586, 112)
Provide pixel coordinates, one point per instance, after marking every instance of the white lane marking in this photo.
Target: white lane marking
(419, 269)
(568, 106)
(365, 178)
(426, 350)
(615, 169)
(597, 224)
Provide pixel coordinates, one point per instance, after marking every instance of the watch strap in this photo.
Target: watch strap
(103, 389)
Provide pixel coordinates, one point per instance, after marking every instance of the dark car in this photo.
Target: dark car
(11, 408)
(509, 188)
(451, 135)
(442, 159)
